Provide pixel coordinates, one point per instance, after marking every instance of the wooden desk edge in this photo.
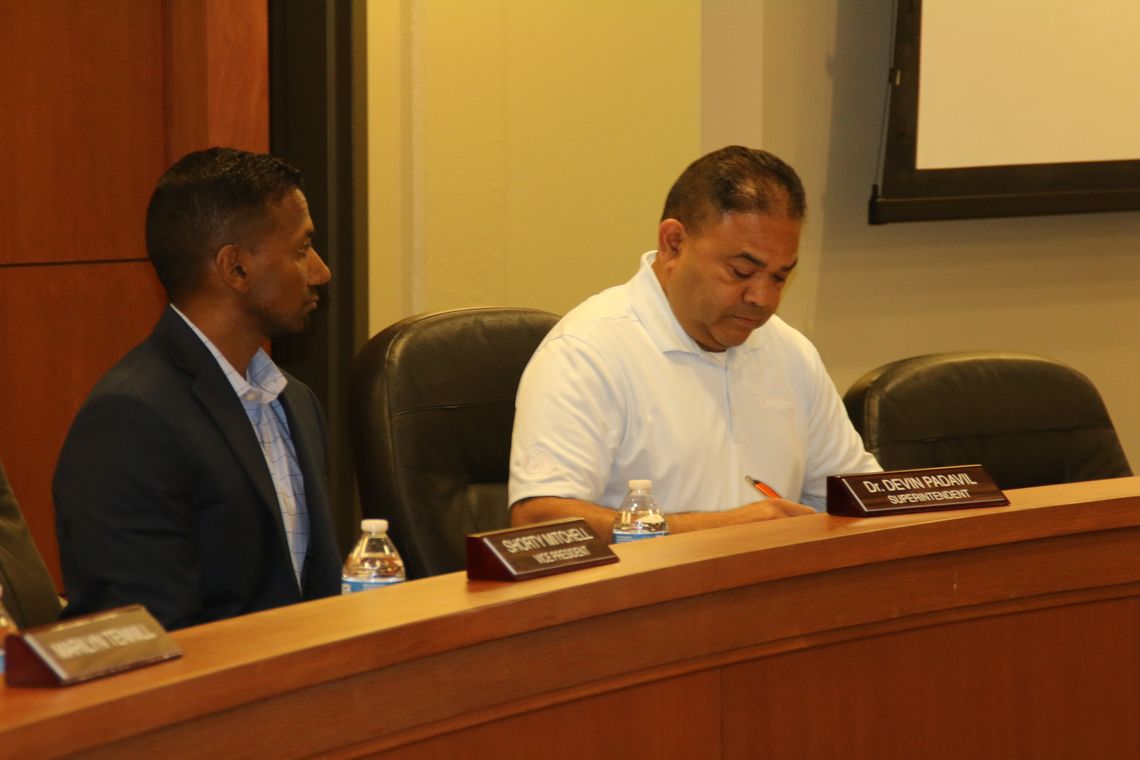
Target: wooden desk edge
(239, 661)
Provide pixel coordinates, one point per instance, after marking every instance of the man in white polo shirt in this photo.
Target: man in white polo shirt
(684, 375)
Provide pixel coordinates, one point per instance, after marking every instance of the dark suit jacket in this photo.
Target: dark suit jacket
(29, 593)
(163, 497)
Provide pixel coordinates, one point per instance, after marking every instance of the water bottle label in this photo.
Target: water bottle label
(622, 537)
(352, 585)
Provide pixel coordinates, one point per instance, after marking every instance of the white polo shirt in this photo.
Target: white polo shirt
(618, 390)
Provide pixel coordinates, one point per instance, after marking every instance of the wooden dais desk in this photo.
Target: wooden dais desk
(1002, 632)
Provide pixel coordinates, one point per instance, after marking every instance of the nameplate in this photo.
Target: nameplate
(532, 551)
(923, 490)
(87, 647)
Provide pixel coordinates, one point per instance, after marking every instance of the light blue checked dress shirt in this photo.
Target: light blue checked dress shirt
(258, 391)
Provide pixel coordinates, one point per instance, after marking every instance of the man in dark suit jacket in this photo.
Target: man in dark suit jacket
(191, 481)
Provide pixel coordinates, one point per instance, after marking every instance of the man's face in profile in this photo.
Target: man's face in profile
(284, 269)
(725, 279)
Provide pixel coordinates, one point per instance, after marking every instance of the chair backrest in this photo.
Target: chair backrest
(29, 594)
(433, 405)
(1027, 419)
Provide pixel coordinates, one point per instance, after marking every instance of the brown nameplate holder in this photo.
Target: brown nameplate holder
(923, 490)
(532, 551)
(87, 647)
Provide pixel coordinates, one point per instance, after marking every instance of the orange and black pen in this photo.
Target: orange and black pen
(762, 487)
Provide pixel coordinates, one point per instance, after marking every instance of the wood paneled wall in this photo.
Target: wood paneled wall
(98, 99)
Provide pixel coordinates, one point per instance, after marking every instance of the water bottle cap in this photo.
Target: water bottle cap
(374, 526)
(641, 485)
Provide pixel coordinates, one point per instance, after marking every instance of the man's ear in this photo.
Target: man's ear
(230, 263)
(670, 235)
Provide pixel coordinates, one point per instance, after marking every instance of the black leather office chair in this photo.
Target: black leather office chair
(1027, 419)
(29, 594)
(433, 404)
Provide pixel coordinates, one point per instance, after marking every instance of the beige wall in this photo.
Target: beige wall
(521, 148)
(521, 151)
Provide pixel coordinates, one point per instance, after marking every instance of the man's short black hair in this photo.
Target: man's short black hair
(207, 199)
(734, 179)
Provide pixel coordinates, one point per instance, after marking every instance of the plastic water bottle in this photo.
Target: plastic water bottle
(639, 516)
(373, 562)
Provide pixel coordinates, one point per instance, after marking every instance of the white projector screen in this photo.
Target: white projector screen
(1011, 107)
(1028, 82)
